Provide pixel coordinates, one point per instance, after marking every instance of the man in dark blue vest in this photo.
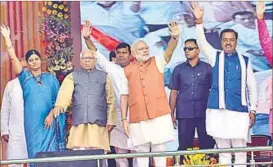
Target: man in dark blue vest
(94, 111)
(232, 101)
(190, 84)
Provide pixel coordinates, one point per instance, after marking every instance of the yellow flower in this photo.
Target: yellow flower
(48, 11)
(55, 6)
(44, 9)
(69, 65)
(66, 16)
(60, 15)
(65, 9)
(49, 3)
(61, 7)
(54, 12)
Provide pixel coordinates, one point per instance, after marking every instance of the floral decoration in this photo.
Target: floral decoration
(56, 28)
(199, 159)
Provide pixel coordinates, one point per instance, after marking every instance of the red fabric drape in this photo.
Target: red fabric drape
(107, 41)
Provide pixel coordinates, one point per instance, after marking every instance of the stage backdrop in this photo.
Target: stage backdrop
(34, 25)
(127, 21)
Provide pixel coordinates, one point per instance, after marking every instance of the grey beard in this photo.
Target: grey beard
(142, 58)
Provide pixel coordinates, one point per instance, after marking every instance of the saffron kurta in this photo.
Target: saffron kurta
(143, 123)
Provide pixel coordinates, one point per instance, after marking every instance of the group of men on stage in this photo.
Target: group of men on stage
(125, 104)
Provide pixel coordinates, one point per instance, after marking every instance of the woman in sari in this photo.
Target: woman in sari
(40, 89)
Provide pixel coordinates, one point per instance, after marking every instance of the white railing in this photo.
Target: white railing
(149, 154)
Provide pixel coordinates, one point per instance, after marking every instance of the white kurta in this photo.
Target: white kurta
(117, 136)
(159, 130)
(227, 124)
(12, 120)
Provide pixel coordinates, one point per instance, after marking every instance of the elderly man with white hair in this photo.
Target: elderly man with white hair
(94, 111)
(149, 111)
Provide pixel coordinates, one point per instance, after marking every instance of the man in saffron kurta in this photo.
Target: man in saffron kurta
(232, 101)
(264, 37)
(93, 111)
(143, 89)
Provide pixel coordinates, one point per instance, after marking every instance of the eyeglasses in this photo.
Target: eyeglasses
(189, 48)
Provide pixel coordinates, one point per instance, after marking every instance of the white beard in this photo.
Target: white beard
(142, 58)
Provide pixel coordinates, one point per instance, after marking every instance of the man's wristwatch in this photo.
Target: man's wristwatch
(253, 111)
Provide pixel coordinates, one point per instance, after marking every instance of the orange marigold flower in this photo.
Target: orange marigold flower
(66, 16)
(44, 9)
(48, 11)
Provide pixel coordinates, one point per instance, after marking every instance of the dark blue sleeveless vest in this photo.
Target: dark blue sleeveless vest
(232, 84)
(89, 97)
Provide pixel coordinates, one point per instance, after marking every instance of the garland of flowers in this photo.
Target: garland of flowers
(198, 159)
(55, 26)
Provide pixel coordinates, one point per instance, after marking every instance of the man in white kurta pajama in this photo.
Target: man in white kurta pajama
(232, 101)
(118, 138)
(12, 122)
